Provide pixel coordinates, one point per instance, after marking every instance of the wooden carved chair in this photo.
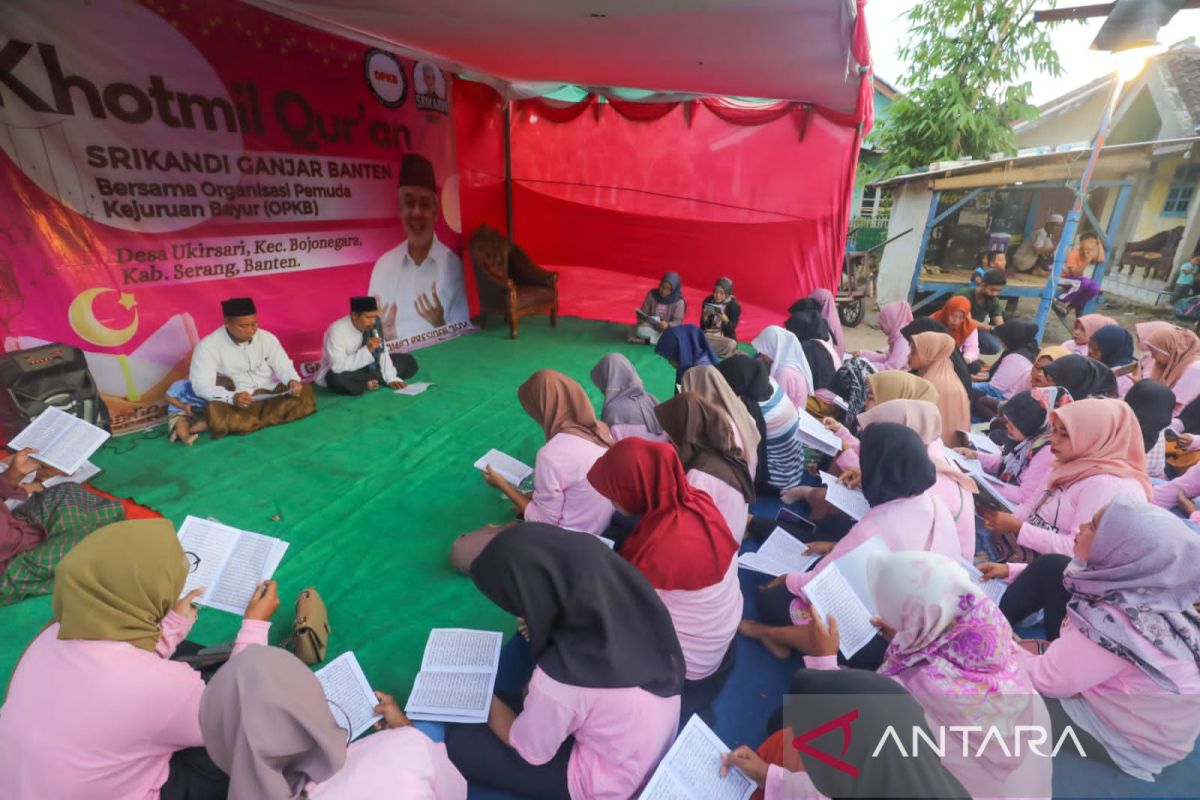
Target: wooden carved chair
(1154, 254)
(509, 282)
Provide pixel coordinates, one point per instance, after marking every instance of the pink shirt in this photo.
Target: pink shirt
(970, 347)
(1077, 349)
(1160, 725)
(1124, 384)
(88, 719)
(895, 358)
(620, 734)
(728, 500)
(1187, 387)
(1166, 495)
(1013, 375)
(630, 429)
(1031, 480)
(795, 386)
(1066, 508)
(402, 762)
(907, 523)
(562, 495)
(705, 621)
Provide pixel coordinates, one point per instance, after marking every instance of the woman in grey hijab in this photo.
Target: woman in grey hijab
(628, 407)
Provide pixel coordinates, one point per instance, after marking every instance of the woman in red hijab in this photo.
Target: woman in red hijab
(956, 316)
(685, 549)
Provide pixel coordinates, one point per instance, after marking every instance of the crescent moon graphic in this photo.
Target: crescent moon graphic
(83, 321)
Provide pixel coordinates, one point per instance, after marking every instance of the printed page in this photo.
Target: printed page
(413, 389)
(994, 588)
(258, 398)
(829, 594)
(980, 442)
(968, 465)
(853, 567)
(851, 501)
(755, 562)
(244, 570)
(987, 492)
(692, 769)
(783, 548)
(814, 434)
(63, 441)
(505, 466)
(462, 650)
(350, 698)
(642, 315)
(451, 696)
(208, 543)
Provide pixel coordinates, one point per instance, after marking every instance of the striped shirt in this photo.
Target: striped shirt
(785, 452)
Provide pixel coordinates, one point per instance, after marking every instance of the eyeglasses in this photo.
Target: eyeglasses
(193, 561)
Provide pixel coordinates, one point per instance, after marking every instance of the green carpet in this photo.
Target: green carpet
(370, 492)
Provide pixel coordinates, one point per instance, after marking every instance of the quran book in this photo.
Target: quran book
(691, 769)
(457, 677)
(350, 698)
(229, 563)
(841, 590)
(504, 465)
(61, 440)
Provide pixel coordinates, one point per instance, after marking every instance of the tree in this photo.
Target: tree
(963, 59)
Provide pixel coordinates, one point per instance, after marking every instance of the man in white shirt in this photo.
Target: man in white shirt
(419, 283)
(1038, 249)
(237, 362)
(354, 359)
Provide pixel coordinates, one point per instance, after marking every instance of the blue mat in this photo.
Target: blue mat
(758, 682)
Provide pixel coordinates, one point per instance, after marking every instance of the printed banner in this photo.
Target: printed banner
(158, 157)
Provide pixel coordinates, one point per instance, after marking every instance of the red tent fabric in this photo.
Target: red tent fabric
(706, 189)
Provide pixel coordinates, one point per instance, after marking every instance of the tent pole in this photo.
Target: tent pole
(508, 194)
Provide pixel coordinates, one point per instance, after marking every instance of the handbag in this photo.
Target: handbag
(310, 631)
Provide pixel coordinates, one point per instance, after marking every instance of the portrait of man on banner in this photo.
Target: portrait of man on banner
(419, 283)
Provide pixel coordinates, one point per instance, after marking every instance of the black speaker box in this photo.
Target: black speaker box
(50, 375)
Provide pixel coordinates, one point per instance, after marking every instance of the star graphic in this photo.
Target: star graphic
(126, 301)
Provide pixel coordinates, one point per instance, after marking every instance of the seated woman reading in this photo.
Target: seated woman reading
(663, 309)
(561, 493)
(719, 318)
(602, 706)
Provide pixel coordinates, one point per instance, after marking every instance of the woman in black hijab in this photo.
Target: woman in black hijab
(749, 380)
(898, 464)
(806, 322)
(1019, 337)
(819, 697)
(593, 622)
(1152, 403)
(930, 325)
(1083, 377)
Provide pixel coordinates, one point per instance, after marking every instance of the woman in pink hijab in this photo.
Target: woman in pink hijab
(1099, 455)
(829, 312)
(892, 318)
(1082, 332)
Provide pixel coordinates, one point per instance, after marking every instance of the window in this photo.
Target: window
(1183, 188)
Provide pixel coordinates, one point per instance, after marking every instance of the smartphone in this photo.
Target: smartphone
(801, 527)
(1125, 370)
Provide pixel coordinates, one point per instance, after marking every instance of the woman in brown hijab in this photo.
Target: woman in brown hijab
(712, 461)
(267, 724)
(561, 493)
(930, 358)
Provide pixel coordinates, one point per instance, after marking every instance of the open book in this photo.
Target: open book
(989, 496)
(505, 466)
(348, 694)
(841, 589)
(851, 502)
(61, 440)
(779, 554)
(644, 317)
(977, 441)
(815, 435)
(229, 563)
(691, 769)
(458, 673)
(994, 588)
